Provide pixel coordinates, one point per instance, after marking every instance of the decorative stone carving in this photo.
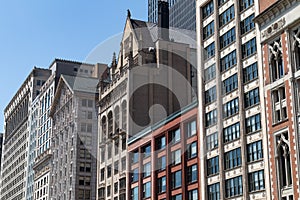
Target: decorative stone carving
(274, 28)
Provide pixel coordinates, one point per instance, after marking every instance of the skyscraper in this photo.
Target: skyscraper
(231, 102)
(182, 13)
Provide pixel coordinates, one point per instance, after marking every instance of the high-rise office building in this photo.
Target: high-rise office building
(16, 137)
(232, 131)
(182, 13)
(279, 23)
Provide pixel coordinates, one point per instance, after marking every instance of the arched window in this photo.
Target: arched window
(124, 115)
(104, 129)
(110, 123)
(283, 160)
(117, 118)
(296, 48)
(276, 62)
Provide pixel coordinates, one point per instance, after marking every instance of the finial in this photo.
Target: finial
(128, 13)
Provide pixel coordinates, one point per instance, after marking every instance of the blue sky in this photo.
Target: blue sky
(33, 33)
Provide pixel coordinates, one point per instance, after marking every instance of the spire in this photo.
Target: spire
(128, 13)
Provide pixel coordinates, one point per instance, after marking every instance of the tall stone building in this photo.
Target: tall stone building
(41, 140)
(279, 23)
(182, 13)
(74, 140)
(132, 87)
(233, 137)
(14, 166)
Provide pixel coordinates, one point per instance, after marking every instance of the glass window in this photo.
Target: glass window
(161, 143)
(175, 136)
(230, 84)
(210, 95)
(226, 16)
(162, 184)
(208, 30)
(256, 181)
(250, 73)
(192, 174)
(233, 187)
(176, 179)
(247, 24)
(208, 9)
(135, 175)
(108, 171)
(245, 4)
(135, 193)
(254, 151)
(147, 150)
(233, 159)
(252, 98)
(211, 118)
(253, 124)
(176, 157)
(228, 61)
(231, 108)
(192, 150)
(213, 166)
(231, 132)
(191, 128)
(249, 48)
(147, 169)
(177, 197)
(212, 141)
(193, 195)
(108, 190)
(210, 73)
(161, 163)
(227, 38)
(214, 191)
(147, 190)
(135, 157)
(209, 51)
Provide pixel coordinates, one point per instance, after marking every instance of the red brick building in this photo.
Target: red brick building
(164, 159)
(279, 23)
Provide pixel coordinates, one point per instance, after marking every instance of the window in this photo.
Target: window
(109, 150)
(175, 136)
(110, 123)
(101, 192)
(116, 146)
(231, 108)
(135, 193)
(209, 51)
(253, 124)
(135, 157)
(177, 197)
(230, 84)
(252, 98)
(192, 174)
(124, 115)
(193, 195)
(116, 187)
(162, 184)
(147, 151)
(247, 24)
(192, 150)
(102, 174)
(210, 73)
(108, 171)
(233, 187)
(122, 183)
(176, 157)
(212, 141)
(227, 38)
(135, 175)
(233, 159)
(176, 179)
(283, 160)
(211, 118)
(250, 73)
(116, 167)
(228, 61)
(208, 9)
(249, 48)
(226, 16)
(276, 61)
(147, 170)
(108, 190)
(210, 95)
(161, 143)
(208, 30)
(256, 181)
(231, 132)
(279, 105)
(123, 163)
(191, 128)
(245, 4)
(213, 166)
(296, 46)
(161, 163)
(213, 191)
(147, 190)
(221, 2)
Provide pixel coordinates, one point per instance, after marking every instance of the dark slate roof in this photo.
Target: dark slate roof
(81, 84)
